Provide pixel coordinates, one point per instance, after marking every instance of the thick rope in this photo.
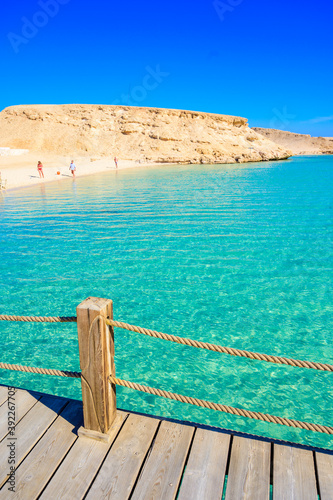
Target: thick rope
(225, 350)
(39, 319)
(184, 341)
(44, 371)
(226, 409)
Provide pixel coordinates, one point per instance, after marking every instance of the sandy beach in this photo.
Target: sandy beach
(95, 134)
(21, 171)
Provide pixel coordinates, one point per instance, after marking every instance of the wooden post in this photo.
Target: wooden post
(96, 346)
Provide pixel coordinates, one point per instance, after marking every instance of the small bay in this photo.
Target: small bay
(236, 255)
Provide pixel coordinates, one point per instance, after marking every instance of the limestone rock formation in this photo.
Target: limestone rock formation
(299, 144)
(134, 133)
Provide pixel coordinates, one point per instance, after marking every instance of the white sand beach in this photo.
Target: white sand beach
(21, 171)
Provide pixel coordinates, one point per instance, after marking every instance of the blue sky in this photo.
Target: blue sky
(267, 60)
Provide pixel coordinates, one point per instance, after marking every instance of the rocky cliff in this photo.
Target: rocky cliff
(133, 133)
(299, 144)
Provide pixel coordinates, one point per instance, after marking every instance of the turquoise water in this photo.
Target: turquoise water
(238, 255)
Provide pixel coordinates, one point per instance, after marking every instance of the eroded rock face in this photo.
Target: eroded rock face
(133, 133)
(299, 144)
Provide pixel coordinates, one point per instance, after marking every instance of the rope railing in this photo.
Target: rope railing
(170, 395)
(223, 408)
(181, 398)
(281, 360)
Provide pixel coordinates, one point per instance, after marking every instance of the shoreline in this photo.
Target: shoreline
(21, 171)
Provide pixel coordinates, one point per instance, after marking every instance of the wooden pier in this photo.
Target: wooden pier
(53, 448)
(147, 458)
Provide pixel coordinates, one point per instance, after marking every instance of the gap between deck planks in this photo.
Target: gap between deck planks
(149, 458)
(29, 430)
(35, 473)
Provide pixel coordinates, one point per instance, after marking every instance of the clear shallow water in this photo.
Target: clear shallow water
(235, 255)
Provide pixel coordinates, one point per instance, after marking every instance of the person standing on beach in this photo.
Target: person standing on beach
(72, 168)
(116, 161)
(40, 169)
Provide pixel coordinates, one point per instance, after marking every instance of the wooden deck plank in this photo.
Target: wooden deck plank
(29, 430)
(206, 466)
(293, 474)
(37, 468)
(77, 471)
(325, 475)
(122, 465)
(163, 469)
(24, 401)
(249, 470)
(49, 455)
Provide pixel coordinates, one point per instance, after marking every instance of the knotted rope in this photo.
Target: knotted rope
(225, 350)
(44, 371)
(225, 409)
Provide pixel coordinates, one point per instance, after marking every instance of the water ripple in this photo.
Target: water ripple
(236, 255)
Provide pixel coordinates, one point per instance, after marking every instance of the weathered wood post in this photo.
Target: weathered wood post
(96, 346)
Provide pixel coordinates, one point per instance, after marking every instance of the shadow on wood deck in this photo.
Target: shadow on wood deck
(148, 458)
